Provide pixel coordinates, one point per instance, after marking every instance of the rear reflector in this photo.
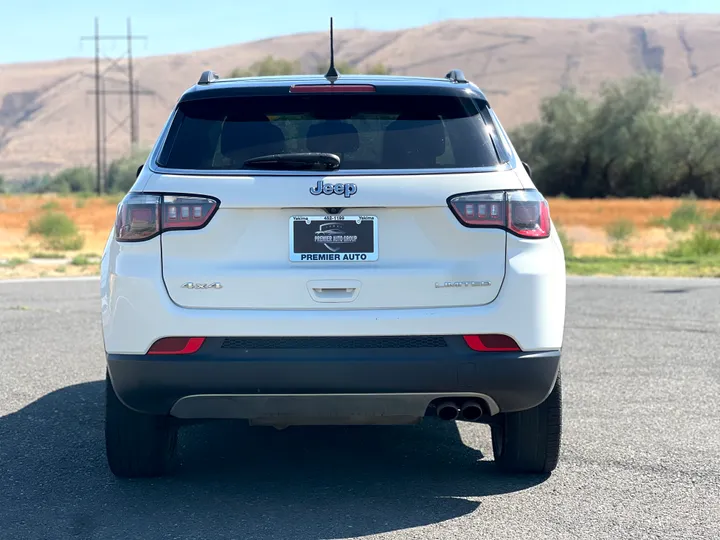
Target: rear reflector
(331, 88)
(491, 343)
(177, 345)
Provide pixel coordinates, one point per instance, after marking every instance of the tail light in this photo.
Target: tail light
(177, 345)
(142, 216)
(524, 213)
(491, 343)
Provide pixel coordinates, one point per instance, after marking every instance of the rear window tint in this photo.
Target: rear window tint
(368, 131)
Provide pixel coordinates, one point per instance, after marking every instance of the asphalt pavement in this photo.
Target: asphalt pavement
(640, 455)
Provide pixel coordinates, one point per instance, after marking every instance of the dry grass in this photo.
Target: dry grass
(599, 213)
(93, 219)
(584, 221)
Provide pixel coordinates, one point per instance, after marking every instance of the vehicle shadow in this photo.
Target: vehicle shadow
(235, 481)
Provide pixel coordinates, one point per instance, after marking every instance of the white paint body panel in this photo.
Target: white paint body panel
(136, 308)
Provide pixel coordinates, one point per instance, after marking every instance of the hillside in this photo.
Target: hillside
(47, 114)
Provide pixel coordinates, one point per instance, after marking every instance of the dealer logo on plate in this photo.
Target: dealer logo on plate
(332, 236)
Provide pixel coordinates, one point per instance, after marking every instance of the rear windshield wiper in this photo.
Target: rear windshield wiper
(301, 161)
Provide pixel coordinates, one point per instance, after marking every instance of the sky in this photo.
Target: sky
(34, 30)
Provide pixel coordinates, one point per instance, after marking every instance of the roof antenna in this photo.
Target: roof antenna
(332, 73)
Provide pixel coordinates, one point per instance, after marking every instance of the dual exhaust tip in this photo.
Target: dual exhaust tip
(470, 410)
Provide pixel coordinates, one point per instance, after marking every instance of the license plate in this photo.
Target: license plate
(333, 238)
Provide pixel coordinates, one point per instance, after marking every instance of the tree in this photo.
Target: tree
(346, 68)
(269, 66)
(72, 180)
(624, 143)
(122, 172)
(2, 184)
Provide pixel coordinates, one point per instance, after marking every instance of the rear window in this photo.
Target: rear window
(367, 131)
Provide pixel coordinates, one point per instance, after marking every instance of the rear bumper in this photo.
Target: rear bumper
(244, 381)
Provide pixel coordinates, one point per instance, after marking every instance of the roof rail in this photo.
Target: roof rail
(457, 76)
(207, 77)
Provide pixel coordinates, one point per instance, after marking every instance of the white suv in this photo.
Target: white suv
(305, 251)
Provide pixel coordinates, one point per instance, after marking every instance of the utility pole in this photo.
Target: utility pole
(97, 106)
(133, 92)
(131, 87)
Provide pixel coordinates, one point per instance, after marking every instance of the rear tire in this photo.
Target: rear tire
(529, 441)
(137, 445)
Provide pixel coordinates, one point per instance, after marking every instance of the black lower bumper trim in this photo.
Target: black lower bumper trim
(514, 380)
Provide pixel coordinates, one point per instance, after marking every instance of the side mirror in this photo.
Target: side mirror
(527, 169)
(140, 168)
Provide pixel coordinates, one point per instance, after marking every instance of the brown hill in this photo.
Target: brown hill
(47, 114)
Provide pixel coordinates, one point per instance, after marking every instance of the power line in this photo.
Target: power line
(133, 92)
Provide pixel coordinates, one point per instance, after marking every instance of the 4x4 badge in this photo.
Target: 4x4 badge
(338, 189)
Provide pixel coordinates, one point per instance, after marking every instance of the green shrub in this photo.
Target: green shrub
(122, 172)
(619, 233)
(61, 269)
(80, 260)
(72, 243)
(658, 222)
(685, 216)
(12, 263)
(620, 230)
(70, 180)
(688, 215)
(701, 244)
(45, 255)
(715, 217)
(53, 224)
(50, 205)
(58, 231)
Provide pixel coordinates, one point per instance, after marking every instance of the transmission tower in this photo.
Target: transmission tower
(133, 92)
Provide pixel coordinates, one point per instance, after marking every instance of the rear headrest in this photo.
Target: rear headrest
(333, 136)
(251, 138)
(415, 140)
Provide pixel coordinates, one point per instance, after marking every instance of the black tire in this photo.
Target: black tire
(529, 441)
(137, 445)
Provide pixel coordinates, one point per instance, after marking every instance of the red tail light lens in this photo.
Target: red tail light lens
(482, 209)
(138, 218)
(177, 345)
(528, 214)
(524, 213)
(180, 212)
(491, 343)
(142, 216)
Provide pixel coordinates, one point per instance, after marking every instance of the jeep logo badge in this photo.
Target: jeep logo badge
(338, 189)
